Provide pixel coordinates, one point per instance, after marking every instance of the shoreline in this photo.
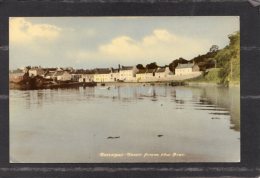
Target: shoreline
(204, 84)
(33, 86)
(193, 83)
(13, 86)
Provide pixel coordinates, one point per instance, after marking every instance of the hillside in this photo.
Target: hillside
(228, 60)
(221, 66)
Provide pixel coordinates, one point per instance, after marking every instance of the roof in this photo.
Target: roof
(49, 69)
(59, 73)
(181, 66)
(150, 70)
(49, 73)
(115, 70)
(160, 70)
(141, 71)
(80, 71)
(127, 68)
(37, 69)
(89, 72)
(102, 71)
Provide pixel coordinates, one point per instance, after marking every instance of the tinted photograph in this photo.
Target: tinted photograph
(124, 89)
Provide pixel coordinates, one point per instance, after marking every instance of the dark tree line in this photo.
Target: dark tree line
(152, 65)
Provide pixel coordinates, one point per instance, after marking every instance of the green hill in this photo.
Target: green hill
(228, 59)
(221, 66)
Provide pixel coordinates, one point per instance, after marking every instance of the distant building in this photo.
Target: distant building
(76, 77)
(140, 75)
(153, 75)
(87, 76)
(115, 74)
(102, 75)
(17, 75)
(150, 74)
(124, 73)
(36, 71)
(77, 74)
(163, 73)
(186, 69)
(62, 76)
(146, 75)
(128, 73)
(49, 74)
(50, 69)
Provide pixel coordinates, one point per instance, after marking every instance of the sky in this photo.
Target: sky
(91, 42)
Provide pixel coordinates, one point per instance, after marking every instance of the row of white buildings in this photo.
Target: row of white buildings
(122, 74)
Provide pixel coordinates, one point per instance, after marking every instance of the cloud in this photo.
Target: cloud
(22, 31)
(95, 42)
(161, 46)
(89, 32)
(121, 47)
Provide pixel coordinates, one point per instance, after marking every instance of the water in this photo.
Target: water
(127, 123)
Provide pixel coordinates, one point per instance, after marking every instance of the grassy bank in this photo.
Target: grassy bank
(226, 62)
(207, 77)
(212, 77)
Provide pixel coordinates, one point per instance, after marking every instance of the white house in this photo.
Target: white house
(163, 73)
(88, 76)
(103, 75)
(49, 74)
(76, 74)
(62, 76)
(36, 71)
(150, 75)
(146, 75)
(128, 73)
(115, 74)
(140, 75)
(186, 69)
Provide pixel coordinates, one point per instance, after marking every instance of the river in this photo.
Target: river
(125, 123)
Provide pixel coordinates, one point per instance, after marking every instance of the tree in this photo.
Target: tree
(175, 63)
(140, 66)
(228, 59)
(27, 68)
(152, 65)
(206, 61)
(213, 48)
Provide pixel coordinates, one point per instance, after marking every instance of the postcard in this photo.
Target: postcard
(124, 89)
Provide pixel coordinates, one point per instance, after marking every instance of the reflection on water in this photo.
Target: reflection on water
(73, 125)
